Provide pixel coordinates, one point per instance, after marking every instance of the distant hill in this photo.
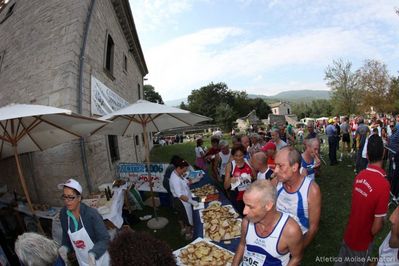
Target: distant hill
(289, 96)
(295, 96)
(176, 102)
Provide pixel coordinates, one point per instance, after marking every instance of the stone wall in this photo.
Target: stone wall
(41, 41)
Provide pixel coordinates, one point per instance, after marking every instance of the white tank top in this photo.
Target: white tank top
(224, 161)
(388, 255)
(261, 251)
(296, 203)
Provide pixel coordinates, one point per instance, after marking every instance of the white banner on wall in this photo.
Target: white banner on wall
(103, 99)
(138, 174)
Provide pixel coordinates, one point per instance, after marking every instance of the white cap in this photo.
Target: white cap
(71, 183)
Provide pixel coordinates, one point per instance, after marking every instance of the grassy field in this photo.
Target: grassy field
(335, 183)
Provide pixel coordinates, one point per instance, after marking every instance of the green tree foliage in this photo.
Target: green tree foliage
(225, 116)
(213, 99)
(393, 96)
(315, 109)
(151, 95)
(374, 84)
(344, 84)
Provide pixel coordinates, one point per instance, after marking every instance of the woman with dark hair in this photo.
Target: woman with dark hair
(139, 249)
(182, 200)
(83, 229)
(238, 177)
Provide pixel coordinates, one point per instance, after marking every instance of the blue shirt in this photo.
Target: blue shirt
(331, 130)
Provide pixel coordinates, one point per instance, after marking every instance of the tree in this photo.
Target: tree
(205, 100)
(344, 84)
(151, 95)
(224, 105)
(375, 84)
(393, 96)
(225, 116)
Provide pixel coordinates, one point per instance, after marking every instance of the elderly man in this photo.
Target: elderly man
(268, 237)
(311, 133)
(277, 140)
(297, 195)
(310, 158)
(259, 163)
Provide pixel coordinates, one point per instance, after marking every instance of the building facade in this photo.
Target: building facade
(51, 52)
(281, 108)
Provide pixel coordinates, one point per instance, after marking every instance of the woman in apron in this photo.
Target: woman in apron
(182, 200)
(83, 228)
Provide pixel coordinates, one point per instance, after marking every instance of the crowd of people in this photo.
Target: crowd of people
(267, 178)
(270, 183)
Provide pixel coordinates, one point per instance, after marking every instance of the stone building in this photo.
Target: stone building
(65, 54)
(281, 108)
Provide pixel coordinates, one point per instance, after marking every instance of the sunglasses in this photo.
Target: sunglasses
(68, 198)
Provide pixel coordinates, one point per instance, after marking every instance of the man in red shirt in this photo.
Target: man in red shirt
(370, 198)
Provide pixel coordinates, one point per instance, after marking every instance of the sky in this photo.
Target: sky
(260, 46)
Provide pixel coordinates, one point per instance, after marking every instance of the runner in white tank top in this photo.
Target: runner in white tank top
(296, 203)
(264, 250)
(268, 237)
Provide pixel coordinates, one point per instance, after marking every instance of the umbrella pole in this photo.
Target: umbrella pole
(24, 187)
(147, 157)
(156, 222)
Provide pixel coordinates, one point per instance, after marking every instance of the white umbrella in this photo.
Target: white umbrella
(142, 117)
(26, 128)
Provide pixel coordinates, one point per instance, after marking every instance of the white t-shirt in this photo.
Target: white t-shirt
(199, 152)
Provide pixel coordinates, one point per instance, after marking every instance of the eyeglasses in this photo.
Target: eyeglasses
(68, 198)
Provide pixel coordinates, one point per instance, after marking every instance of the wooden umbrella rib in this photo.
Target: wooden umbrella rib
(56, 126)
(29, 135)
(34, 124)
(4, 127)
(153, 122)
(127, 127)
(179, 119)
(19, 125)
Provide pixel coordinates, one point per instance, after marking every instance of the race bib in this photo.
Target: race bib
(253, 259)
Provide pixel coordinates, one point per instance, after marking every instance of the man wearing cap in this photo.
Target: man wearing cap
(83, 229)
(331, 132)
(270, 150)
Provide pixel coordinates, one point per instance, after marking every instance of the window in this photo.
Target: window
(125, 63)
(288, 110)
(109, 56)
(138, 91)
(136, 140)
(113, 147)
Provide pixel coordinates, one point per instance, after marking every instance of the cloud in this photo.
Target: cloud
(150, 15)
(193, 60)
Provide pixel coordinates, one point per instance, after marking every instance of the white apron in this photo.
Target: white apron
(82, 243)
(187, 206)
